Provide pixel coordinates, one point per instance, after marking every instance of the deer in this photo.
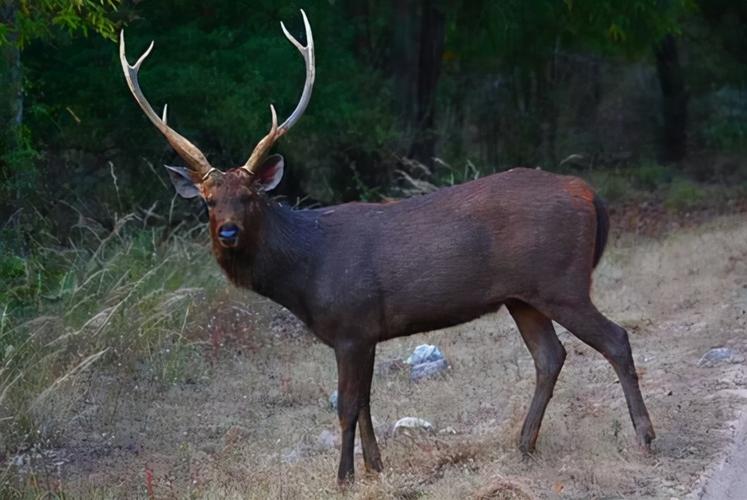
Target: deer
(362, 273)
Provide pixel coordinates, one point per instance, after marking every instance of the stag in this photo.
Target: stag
(361, 273)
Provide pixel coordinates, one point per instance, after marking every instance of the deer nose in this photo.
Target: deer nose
(228, 233)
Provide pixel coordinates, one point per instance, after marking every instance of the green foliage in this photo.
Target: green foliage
(218, 73)
(506, 67)
(524, 55)
(22, 22)
(20, 176)
(630, 27)
(726, 135)
(449, 175)
(126, 296)
(176, 362)
(684, 194)
(365, 192)
(40, 19)
(525, 33)
(11, 268)
(651, 176)
(612, 186)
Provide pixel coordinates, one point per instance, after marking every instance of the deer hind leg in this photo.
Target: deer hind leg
(548, 354)
(585, 322)
(354, 371)
(371, 454)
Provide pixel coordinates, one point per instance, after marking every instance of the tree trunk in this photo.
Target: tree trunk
(418, 45)
(11, 106)
(359, 15)
(405, 57)
(674, 99)
(548, 113)
(431, 48)
(11, 88)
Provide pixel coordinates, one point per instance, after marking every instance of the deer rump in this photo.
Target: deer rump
(444, 258)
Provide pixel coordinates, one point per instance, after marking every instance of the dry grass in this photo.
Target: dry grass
(121, 304)
(243, 418)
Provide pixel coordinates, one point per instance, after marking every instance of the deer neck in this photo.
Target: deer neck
(279, 256)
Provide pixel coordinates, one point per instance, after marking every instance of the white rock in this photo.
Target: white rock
(412, 423)
(425, 353)
(428, 370)
(718, 355)
(328, 439)
(333, 400)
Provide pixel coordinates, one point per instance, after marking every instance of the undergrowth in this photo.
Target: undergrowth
(119, 298)
(648, 182)
(644, 182)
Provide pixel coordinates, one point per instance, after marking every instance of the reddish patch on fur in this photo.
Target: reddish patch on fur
(583, 198)
(579, 189)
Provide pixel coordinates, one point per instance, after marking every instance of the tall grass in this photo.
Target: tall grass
(119, 298)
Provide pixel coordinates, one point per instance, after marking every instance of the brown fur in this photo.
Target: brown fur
(361, 273)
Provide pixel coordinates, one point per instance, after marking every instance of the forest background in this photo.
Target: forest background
(568, 85)
(100, 262)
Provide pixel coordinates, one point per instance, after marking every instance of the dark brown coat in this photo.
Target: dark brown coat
(361, 273)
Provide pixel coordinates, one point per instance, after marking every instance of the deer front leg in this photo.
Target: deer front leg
(354, 371)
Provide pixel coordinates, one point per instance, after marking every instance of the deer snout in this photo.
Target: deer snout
(228, 234)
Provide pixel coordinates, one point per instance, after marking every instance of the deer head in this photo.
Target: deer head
(230, 195)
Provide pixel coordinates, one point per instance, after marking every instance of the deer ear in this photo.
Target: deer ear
(270, 172)
(182, 180)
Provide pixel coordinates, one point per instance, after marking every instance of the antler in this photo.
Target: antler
(194, 158)
(276, 132)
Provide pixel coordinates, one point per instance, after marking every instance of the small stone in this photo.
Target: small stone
(425, 353)
(718, 355)
(293, 455)
(328, 439)
(333, 400)
(412, 423)
(426, 370)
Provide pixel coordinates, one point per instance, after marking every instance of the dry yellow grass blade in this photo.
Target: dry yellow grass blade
(77, 369)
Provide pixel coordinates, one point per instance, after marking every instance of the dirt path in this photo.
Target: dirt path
(729, 480)
(252, 420)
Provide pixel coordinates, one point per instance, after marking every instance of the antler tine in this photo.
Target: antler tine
(194, 158)
(276, 132)
(308, 56)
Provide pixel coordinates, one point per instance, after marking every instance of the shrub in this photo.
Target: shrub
(651, 176)
(683, 195)
(611, 186)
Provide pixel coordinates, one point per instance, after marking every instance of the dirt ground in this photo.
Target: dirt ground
(253, 419)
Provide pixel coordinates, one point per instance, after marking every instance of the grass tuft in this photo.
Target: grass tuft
(118, 299)
(684, 195)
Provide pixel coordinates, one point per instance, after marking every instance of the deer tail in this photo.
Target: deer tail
(603, 227)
